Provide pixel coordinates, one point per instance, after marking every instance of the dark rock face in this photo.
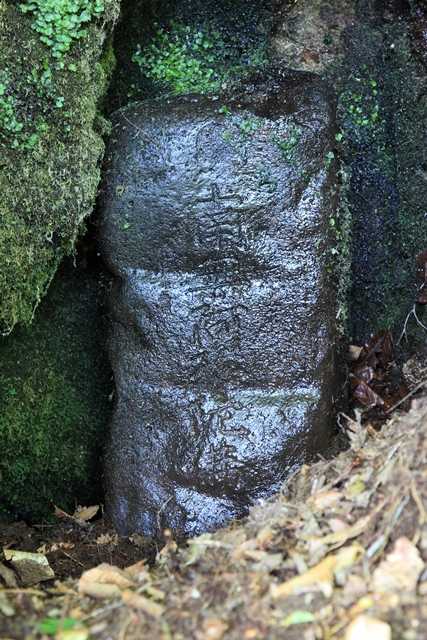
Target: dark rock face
(419, 31)
(216, 225)
(383, 117)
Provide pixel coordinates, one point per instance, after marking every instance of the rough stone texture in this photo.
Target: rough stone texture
(222, 344)
(373, 53)
(50, 169)
(383, 118)
(307, 34)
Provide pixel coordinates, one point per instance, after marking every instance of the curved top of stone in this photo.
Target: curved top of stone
(263, 149)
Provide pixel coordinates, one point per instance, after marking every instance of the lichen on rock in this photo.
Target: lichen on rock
(50, 148)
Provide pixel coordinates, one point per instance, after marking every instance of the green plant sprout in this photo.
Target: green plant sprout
(187, 59)
(363, 107)
(12, 128)
(60, 23)
(288, 145)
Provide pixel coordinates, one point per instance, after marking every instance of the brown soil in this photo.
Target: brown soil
(71, 548)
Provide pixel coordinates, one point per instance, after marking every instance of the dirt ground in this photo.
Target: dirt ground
(340, 554)
(72, 548)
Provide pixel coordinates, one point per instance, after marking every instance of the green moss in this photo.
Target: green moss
(288, 144)
(49, 162)
(54, 387)
(183, 58)
(60, 23)
(362, 106)
(382, 113)
(108, 59)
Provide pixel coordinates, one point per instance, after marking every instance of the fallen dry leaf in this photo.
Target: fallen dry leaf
(400, 570)
(366, 396)
(367, 628)
(336, 524)
(374, 384)
(104, 581)
(321, 576)
(324, 499)
(73, 634)
(31, 568)
(155, 593)
(55, 546)
(85, 514)
(107, 538)
(354, 352)
(60, 513)
(138, 540)
(81, 515)
(137, 571)
(341, 537)
(99, 591)
(214, 629)
(265, 537)
(141, 603)
(243, 550)
(355, 431)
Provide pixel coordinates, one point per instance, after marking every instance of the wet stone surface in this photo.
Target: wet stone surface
(215, 224)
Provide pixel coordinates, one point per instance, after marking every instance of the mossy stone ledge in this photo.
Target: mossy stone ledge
(50, 139)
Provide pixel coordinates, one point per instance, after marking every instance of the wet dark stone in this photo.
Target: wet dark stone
(383, 118)
(215, 223)
(419, 31)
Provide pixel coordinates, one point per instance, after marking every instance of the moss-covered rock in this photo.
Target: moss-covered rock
(177, 47)
(54, 388)
(383, 118)
(52, 77)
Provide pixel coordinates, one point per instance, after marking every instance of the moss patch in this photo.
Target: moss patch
(184, 59)
(49, 150)
(175, 47)
(54, 387)
(383, 117)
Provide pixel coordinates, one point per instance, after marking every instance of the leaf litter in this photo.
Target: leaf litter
(339, 554)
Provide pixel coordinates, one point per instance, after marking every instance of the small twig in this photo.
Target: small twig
(413, 312)
(408, 395)
(99, 612)
(34, 592)
(162, 508)
(403, 334)
(423, 514)
(73, 559)
(306, 126)
(132, 125)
